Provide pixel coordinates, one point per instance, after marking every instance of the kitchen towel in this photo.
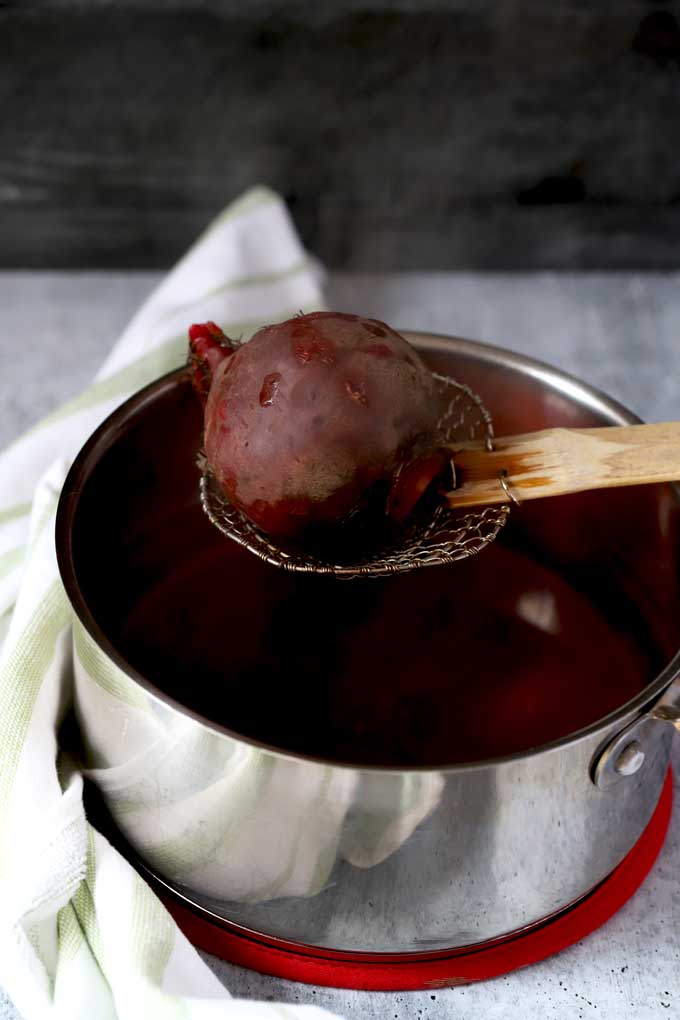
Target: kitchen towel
(81, 935)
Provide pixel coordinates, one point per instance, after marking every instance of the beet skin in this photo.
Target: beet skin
(302, 421)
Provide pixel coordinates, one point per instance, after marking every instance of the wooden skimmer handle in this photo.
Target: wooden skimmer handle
(558, 461)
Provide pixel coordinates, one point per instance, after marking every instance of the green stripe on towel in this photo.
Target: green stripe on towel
(10, 560)
(22, 678)
(69, 933)
(12, 512)
(84, 902)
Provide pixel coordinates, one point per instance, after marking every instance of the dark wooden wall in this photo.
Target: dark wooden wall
(441, 133)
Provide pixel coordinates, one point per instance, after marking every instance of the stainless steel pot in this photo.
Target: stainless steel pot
(370, 859)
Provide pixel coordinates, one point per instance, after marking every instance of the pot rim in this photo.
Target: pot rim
(105, 435)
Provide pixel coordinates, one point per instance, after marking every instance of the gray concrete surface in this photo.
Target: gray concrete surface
(620, 331)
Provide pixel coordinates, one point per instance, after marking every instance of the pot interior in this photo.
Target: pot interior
(569, 615)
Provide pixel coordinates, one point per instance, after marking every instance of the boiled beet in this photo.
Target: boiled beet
(304, 419)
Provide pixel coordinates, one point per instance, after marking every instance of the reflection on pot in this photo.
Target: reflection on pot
(223, 817)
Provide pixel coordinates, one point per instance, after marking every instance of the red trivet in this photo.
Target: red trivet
(384, 972)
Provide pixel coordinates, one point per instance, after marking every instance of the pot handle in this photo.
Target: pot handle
(625, 753)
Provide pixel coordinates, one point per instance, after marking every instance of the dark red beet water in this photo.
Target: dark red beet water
(566, 617)
(487, 657)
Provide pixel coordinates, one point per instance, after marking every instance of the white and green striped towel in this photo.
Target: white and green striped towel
(81, 936)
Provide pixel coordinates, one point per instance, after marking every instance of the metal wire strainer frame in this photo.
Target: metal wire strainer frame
(447, 536)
